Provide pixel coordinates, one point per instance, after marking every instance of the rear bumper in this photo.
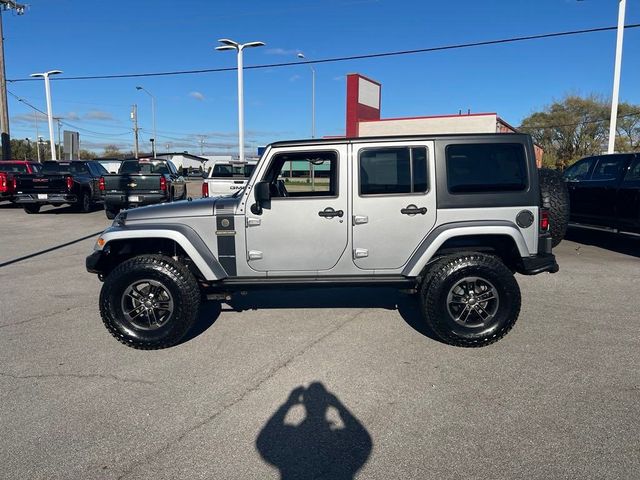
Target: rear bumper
(53, 198)
(543, 262)
(125, 201)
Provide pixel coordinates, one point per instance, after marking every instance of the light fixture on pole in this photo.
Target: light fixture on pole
(47, 90)
(239, 47)
(616, 77)
(153, 117)
(313, 97)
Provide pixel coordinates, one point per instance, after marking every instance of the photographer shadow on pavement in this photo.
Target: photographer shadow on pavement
(317, 447)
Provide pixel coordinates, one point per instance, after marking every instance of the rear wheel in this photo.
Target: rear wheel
(85, 205)
(555, 197)
(31, 208)
(470, 300)
(149, 302)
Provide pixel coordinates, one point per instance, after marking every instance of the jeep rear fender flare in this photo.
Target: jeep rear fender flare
(439, 235)
(184, 236)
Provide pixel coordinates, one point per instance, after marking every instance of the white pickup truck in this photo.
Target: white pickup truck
(226, 178)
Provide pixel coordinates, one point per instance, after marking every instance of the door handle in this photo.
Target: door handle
(330, 213)
(413, 210)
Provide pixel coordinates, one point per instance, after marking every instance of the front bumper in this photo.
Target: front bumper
(543, 262)
(96, 262)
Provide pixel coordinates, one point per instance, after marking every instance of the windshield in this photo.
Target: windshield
(13, 168)
(55, 167)
(227, 170)
(144, 167)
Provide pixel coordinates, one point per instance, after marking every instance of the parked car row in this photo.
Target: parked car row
(604, 192)
(87, 183)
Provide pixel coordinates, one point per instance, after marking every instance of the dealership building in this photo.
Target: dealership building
(364, 119)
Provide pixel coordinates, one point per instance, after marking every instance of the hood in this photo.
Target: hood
(202, 207)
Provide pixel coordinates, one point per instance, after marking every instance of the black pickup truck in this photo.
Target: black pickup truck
(59, 183)
(142, 182)
(605, 192)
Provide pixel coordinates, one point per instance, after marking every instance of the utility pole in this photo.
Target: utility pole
(35, 117)
(59, 121)
(4, 107)
(202, 138)
(134, 119)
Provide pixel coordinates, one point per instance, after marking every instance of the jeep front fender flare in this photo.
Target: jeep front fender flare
(185, 236)
(439, 235)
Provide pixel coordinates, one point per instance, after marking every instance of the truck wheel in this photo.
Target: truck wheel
(470, 300)
(149, 302)
(85, 205)
(555, 196)
(110, 213)
(31, 208)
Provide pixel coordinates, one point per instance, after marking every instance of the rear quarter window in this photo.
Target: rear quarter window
(486, 168)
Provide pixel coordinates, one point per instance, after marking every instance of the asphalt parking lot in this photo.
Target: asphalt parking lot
(557, 398)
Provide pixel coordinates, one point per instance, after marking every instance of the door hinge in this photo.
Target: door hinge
(255, 255)
(360, 252)
(360, 219)
(253, 222)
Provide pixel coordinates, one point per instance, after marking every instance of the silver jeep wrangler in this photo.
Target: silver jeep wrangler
(449, 217)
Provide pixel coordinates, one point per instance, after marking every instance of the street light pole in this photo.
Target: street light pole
(47, 90)
(616, 76)
(153, 117)
(239, 47)
(313, 97)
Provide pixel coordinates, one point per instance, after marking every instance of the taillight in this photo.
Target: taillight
(15, 184)
(101, 184)
(544, 220)
(3, 184)
(69, 183)
(163, 184)
(205, 189)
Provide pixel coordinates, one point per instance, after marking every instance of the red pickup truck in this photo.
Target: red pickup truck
(8, 170)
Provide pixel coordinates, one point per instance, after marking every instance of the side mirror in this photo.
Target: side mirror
(262, 194)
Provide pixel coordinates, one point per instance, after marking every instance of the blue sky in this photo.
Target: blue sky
(94, 37)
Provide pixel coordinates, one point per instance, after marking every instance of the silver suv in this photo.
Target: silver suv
(449, 217)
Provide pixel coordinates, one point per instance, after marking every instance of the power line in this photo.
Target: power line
(87, 131)
(338, 59)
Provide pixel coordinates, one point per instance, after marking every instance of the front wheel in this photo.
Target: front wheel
(471, 300)
(111, 213)
(149, 302)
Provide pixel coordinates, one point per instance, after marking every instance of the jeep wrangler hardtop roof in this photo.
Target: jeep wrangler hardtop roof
(398, 138)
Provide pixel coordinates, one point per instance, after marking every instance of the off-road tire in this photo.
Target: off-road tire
(111, 214)
(447, 272)
(31, 208)
(555, 197)
(174, 277)
(85, 205)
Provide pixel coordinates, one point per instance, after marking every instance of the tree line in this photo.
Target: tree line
(577, 127)
(27, 150)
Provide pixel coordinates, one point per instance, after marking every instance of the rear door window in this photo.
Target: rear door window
(393, 170)
(486, 167)
(608, 167)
